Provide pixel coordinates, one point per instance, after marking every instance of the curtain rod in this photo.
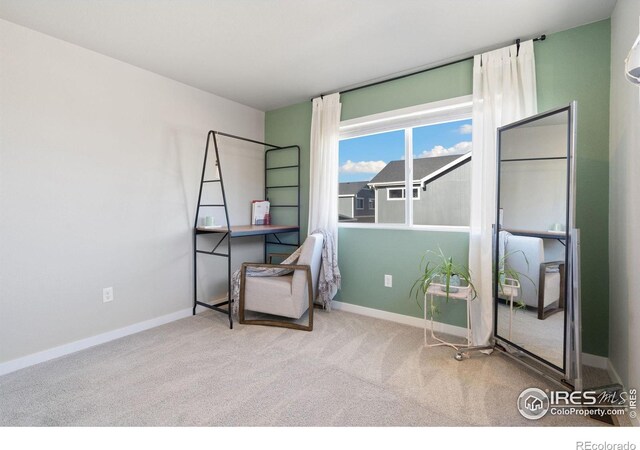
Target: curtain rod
(440, 66)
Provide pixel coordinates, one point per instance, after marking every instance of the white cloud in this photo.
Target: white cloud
(459, 149)
(372, 167)
(465, 129)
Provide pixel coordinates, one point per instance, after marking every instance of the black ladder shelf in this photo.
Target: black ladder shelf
(228, 232)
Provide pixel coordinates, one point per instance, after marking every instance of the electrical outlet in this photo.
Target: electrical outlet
(107, 294)
(388, 281)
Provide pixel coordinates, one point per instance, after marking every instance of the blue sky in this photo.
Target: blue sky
(361, 158)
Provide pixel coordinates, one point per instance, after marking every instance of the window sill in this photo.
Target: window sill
(403, 227)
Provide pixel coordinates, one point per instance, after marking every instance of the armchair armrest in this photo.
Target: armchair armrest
(541, 285)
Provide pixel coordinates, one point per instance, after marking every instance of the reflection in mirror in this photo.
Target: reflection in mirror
(531, 295)
(533, 189)
(533, 175)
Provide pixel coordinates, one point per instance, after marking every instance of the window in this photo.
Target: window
(395, 193)
(363, 157)
(400, 193)
(432, 142)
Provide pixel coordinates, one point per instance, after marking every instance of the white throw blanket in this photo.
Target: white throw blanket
(329, 279)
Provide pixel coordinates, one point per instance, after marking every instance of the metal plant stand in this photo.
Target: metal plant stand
(439, 290)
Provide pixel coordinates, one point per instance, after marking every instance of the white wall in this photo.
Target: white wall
(99, 169)
(624, 207)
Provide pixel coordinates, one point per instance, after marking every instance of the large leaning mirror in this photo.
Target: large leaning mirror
(533, 297)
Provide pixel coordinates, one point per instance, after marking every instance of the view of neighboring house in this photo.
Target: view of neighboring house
(356, 202)
(441, 191)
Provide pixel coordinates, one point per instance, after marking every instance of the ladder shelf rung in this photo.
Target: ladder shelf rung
(226, 302)
(211, 181)
(283, 186)
(210, 205)
(215, 308)
(283, 243)
(212, 253)
(282, 167)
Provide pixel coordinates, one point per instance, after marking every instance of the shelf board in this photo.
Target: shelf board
(439, 290)
(538, 233)
(250, 230)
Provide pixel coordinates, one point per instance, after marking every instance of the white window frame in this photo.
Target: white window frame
(372, 203)
(450, 110)
(404, 193)
(394, 199)
(357, 207)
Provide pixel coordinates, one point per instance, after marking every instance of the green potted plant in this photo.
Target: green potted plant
(443, 271)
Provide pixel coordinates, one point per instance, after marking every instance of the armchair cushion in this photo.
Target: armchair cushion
(272, 295)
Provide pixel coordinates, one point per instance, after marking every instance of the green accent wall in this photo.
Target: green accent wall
(571, 65)
(292, 126)
(450, 81)
(366, 255)
(575, 65)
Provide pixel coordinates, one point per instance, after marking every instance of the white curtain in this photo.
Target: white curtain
(323, 188)
(504, 90)
(323, 183)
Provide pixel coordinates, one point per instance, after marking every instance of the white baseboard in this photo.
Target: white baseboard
(613, 373)
(72, 347)
(399, 318)
(599, 362)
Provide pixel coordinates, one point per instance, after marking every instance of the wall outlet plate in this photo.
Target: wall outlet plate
(388, 281)
(107, 294)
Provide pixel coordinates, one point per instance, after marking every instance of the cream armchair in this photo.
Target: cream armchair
(543, 286)
(288, 296)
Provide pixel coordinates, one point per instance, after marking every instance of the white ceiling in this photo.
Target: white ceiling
(272, 53)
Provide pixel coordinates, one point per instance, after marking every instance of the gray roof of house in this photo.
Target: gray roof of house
(394, 171)
(351, 187)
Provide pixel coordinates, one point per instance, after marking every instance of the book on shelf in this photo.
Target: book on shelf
(260, 212)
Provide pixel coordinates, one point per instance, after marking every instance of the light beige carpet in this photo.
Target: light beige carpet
(350, 371)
